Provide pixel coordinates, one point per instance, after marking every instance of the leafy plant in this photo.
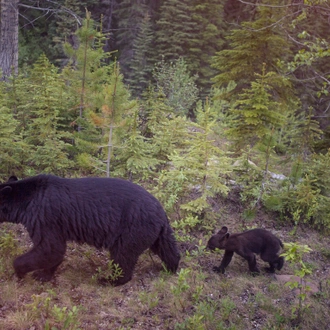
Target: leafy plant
(303, 196)
(51, 316)
(110, 274)
(294, 253)
(181, 287)
(9, 248)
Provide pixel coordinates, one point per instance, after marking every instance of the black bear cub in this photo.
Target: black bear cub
(247, 244)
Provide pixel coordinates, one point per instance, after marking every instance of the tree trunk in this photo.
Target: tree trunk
(8, 37)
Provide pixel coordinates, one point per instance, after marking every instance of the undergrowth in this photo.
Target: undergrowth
(194, 298)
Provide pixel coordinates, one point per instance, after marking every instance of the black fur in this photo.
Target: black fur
(246, 244)
(107, 213)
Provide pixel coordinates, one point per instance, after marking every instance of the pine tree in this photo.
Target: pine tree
(135, 155)
(258, 118)
(167, 131)
(85, 74)
(114, 119)
(141, 65)
(18, 98)
(86, 67)
(10, 142)
(197, 173)
(130, 16)
(47, 139)
(256, 43)
(257, 112)
(176, 29)
(205, 164)
(174, 80)
(304, 135)
(209, 16)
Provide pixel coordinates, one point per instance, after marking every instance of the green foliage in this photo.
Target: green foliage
(197, 173)
(133, 35)
(48, 140)
(205, 164)
(185, 225)
(9, 248)
(178, 86)
(175, 29)
(255, 43)
(85, 75)
(140, 73)
(168, 132)
(112, 273)
(209, 39)
(305, 133)
(8, 243)
(10, 142)
(67, 319)
(114, 120)
(294, 253)
(256, 113)
(181, 287)
(14, 119)
(248, 176)
(150, 299)
(50, 316)
(104, 104)
(304, 196)
(134, 157)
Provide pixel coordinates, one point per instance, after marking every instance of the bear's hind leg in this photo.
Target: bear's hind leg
(275, 262)
(126, 259)
(252, 261)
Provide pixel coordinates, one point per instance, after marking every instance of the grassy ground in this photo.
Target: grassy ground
(194, 298)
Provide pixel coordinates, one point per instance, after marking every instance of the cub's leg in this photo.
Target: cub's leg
(225, 262)
(252, 261)
(275, 262)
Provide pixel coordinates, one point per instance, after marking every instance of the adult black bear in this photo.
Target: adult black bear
(246, 244)
(107, 213)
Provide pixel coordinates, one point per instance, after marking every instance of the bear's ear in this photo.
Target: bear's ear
(223, 230)
(223, 238)
(6, 190)
(12, 178)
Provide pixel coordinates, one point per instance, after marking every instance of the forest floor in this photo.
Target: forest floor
(194, 298)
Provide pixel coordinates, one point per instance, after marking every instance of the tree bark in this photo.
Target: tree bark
(8, 37)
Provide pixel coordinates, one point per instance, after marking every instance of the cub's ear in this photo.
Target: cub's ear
(223, 230)
(12, 178)
(6, 190)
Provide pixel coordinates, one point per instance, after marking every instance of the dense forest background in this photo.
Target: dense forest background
(195, 99)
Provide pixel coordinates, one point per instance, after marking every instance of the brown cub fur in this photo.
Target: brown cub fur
(247, 244)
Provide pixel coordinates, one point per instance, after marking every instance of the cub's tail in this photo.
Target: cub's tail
(165, 247)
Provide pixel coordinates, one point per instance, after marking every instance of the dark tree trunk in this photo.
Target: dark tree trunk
(8, 37)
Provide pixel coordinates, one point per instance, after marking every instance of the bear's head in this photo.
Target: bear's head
(219, 240)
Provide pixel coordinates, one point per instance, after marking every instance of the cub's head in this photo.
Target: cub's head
(218, 241)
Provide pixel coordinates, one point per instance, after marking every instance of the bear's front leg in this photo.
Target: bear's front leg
(225, 262)
(45, 275)
(43, 259)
